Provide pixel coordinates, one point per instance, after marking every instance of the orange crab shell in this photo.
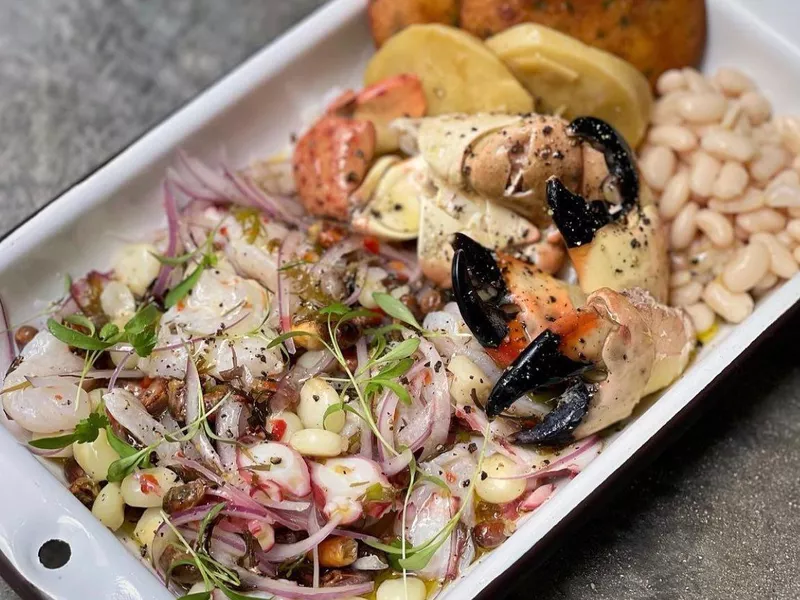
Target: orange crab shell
(329, 163)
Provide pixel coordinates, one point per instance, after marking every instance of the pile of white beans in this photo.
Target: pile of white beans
(725, 173)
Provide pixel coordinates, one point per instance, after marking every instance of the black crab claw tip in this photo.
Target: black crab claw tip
(541, 364)
(557, 426)
(617, 153)
(474, 269)
(576, 219)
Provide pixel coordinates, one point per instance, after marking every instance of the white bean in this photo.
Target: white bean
(703, 107)
(756, 106)
(781, 195)
(704, 171)
(109, 508)
(675, 195)
(728, 145)
(751, 200)
(793, 228)
(731, 181)
(696, 82)
(147, 525)
(796, 254)
(733, 307)
(665, 109)
(469, 382)
(702, 316)
(786, 177)
(785, 238)
(679, 278)
(676, 137)
(373, 282)
(748, 265)
(767, 283)
(732, 81)
(318, 442)
(657, 166)
(398, 589)
(670, 81)
(768, 162)
(794, 212)
(499, 491)
(316, 397)
(684, 228)
(718, 229)
(95, 457)
(789, 130)
(732, 115)
(283, 425)
(136, 266)
(782, 263)
(686, 294)
(763, 219)
(146, 488)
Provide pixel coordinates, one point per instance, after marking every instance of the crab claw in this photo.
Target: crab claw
(620, 245)
(638, 346)
(474, 271)
(540, 365)
(557, 426)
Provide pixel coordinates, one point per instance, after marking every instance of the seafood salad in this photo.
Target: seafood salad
(352, 372)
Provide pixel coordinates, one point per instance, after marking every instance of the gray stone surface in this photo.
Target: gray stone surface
(716, 517)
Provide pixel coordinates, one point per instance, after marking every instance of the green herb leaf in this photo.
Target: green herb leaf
(203, 531)
(120, 447)
(376, 385)
(278, 340)
(180, 291)
(144, 318)
(398, 369)
(355, 314)
(197, 596)
(174, 261)
(74, 338)
(377, 493)
(53, 443)
(434, 480)
(402, 350)
(108, 332)
(234, 595)
(394, 308)
(81, 321)
(120, 469)
(337, 308)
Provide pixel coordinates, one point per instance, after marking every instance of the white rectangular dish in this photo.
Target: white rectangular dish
(251, 113)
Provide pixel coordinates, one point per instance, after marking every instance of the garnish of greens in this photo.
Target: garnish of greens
(215, 575)
(140, 332)
(208, 259)
(386, 362)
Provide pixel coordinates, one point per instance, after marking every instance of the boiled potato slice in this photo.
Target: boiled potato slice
(458, 74)
(652, 35)
(572, 79)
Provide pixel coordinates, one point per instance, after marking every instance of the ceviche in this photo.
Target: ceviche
(355, 370)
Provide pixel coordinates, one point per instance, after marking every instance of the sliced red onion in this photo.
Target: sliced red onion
(117, 373)
(7, 352)
(230, 419)
(173, 226)
(192, 192)
(193, 394)
(274, 207)
(292, 591)
(356, 535)
(313, 528)
(397, 463)
(387, 404)
(226, 541)
(287, 248)
(334, 255)
(537, 497)
(357, 286)
(581, 454)
(367, 445)
(439, 392)
(197, 467)
(207, 177)
(190, 515)
(281, 552)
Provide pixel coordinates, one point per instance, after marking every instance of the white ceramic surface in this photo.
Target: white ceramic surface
(252, 113)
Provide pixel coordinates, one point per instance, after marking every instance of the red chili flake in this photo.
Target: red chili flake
(372, 244)
(148, 483)
(278, 428)
(145, 382)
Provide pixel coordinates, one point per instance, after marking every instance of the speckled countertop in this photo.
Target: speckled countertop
(716, 517)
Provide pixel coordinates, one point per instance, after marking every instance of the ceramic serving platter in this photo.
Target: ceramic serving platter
(251, 113)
